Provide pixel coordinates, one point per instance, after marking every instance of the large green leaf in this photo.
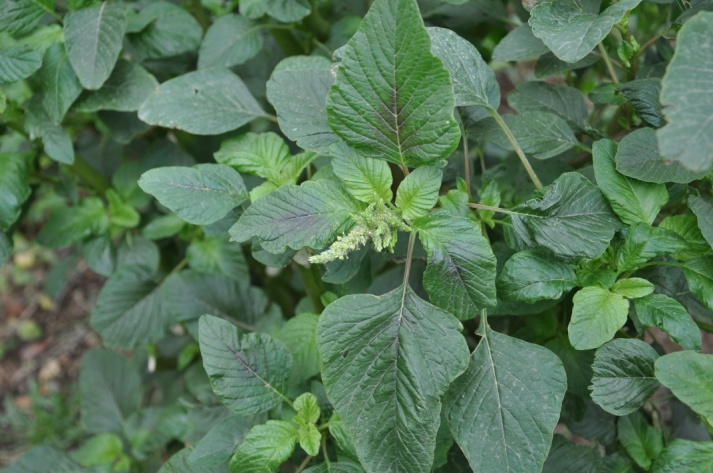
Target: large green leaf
(383, 380)
(248, 372)
(643, 243)
(568, 456)
(93, 37)
(571, 218)
(460, 274)
(577, 365)
(519, 45)
(633, 201)
(110, 390)
(702, 207)
(404, 112)
(281, 10)
(699, 274)
(623, 375)
(60, 86)
(538, 96)
(204, 102)
(312, 214)
(181, 463)
(200, 195)
(126, 89)
(596, 316)
(38, 459)
(367, 179)
(164, 30)
(230, 41)
(503, 409)
(642, 441)
(530, 276)
(689, 376)
(573, 29)
(661, 311)
(219, 443)
(68, 225)
(218, 255)
(14, 187)
(298, 334)
(298, 90)
(17, 62)
(130, 312)
(685, 456)
(686, 97)
(18, 17)
(643, 95)
(265, 448)
(686, 226)
(473, 80)
(418, 192)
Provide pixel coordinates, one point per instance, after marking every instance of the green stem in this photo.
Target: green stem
(583, 147)
(316, 24)
(506, 129)
(304, 463)
(609, 64)
(287, 42)
(181, 264)
(704, 326)
(90, 175)
(324, 450)
(466, 157)
(409, 258)
(313, 286)
(199, 14)
(492, 209)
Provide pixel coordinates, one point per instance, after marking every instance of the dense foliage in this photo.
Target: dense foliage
(335, 241)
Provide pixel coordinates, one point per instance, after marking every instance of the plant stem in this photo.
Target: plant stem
(313, 286)
(324, 450)
(492, 209)
(182, 264)
(466, 157)
(609, 64)
(304, 463)
(287, 42)
(704, 326)
(316, 24)
(409, 258)
(583, 147)
(199, 14)
(90, 175)
(506, 129)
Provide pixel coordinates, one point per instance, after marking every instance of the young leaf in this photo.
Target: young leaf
(307, 408)
(69, 225)
(265, 448)
(218, 445)
(689, 376)
(642, 441)
(685, 456)
(699, 274)
(126, 89)
(110, 390)
(519, 45)
(93, 37)
(200, 195)
(17, 62)
(460, 274)
(623, 376)
(248, 372)
(530, 276)
(688, 136)
(14, 187)
(298, 90)
(230, 41)
(60, 86)
(573, 29)
(473, 81)
(181, 463)
(571, 218)
(204, 102)
(596, 316)
(418, 192)
(165, 30)
(658, 310)
(643, 243)
(298, 334)
(382, 381)
(633, 288)
(367, 179)
(503, 409)
(409, 95)
(702, 207)
(309, 438)
(633, 201)
(312, 214)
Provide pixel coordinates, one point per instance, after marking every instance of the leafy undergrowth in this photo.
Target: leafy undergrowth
(365, 236)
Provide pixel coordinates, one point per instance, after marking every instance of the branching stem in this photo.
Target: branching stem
(506, 129)
(610, 66)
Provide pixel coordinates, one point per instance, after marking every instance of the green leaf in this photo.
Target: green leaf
(643, 95)
(460, 274)
(596, 316)
(638, 157)
(309, 438)
(265, 448)
(573, 29)
(204, 102)
(126, 89)
(5, 248)
(18, 17)
(685, 456)
(566, 455)
(248, 372)
(230, 41)
(14, 187)
(110, 390)
(37, 459)
(69, 225)
(519, 45)
(367, 179)
(100, 254)
(658, 310)
(381, 380)
(529, 276)
(265, 155)
(93, 37)
(218, 255)
(473, 80)
(298, 334)
(282, 10)
(633, 201)
(312, 214)
(120, 213)
(220, 442)
(338, 467)
(702, 207)
(686, 226)
(571, 218)
(699, 274)
(689, 376)
(200, 195)
(564, 101)
(60, 86)
(577, 365)
(307, 408)
(643, 243)
(642, 441)
(181, 463)
(166, 30)
(17, 62)
(101, 450)
(633, 288)
(298, 90)
(550, 65)
(623, 376)
(404, 113)
(55, 139)
(503, 409)
(130, 312)
(688, 106)
(418, 192)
